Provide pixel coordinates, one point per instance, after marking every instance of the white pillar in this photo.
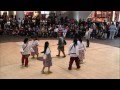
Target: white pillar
(113, 16)
(76, 15)
(119, 17)
(20, 14)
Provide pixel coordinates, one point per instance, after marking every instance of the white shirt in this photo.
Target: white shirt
(19, 21)
(56, 30)
(26, 49)
(82, 46)
(73, 51)
(78, 43)
(87, 34)
(22, 21)
(90, 30)
(47, 51)
(64, 30)
(35, 43)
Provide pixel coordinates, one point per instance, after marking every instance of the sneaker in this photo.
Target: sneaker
(49, 72)
(58, 55)
(64, 56)
(78, 67)
(26, 65)
(69, 69)
(42, 72)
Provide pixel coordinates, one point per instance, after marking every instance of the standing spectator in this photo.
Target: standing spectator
(56, 32)
(87, 36)
(108, 32)
(74, 53)
(1, 31)
(93, 34)
(47, 59)
(64, 32)
(19, 23)
(119, 29)
(112, 30)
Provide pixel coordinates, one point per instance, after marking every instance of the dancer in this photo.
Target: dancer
(25, 51)
(35, 45)
(47, 60)
(74, 54)
(82, 50)
(61, 43)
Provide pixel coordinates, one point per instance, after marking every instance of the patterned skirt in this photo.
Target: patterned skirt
(81, 54)
(61, 48)
(48, 61)
(35, 51)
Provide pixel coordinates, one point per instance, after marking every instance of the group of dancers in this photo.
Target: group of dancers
(76, 52)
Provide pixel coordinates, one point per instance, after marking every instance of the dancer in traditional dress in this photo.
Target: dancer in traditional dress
(47, 59)
(74, 54)
(25, 51)
(82, 50)
(35, 45)
(61, 44)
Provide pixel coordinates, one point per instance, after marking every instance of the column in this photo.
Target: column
(113, 16)
(58, 12)
(119, 17)
(10, 13)
(76, 15)
(20, 14)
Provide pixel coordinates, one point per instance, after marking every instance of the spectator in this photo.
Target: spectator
(112, 30)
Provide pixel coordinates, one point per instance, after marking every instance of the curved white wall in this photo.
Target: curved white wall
(81, 14)
(77, 14)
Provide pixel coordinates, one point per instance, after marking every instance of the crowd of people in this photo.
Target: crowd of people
(61, 28)
(54, 25)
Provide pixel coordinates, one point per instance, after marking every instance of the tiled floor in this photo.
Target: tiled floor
(102, 61)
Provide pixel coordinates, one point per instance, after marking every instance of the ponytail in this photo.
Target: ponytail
(75, 42)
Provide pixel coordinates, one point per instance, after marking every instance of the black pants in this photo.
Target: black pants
(88, 42)
(77, 61)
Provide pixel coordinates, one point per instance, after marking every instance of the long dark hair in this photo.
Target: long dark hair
(34, 37)
(80, 39)
(25, 40)
(75, 42)
(45, 46)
